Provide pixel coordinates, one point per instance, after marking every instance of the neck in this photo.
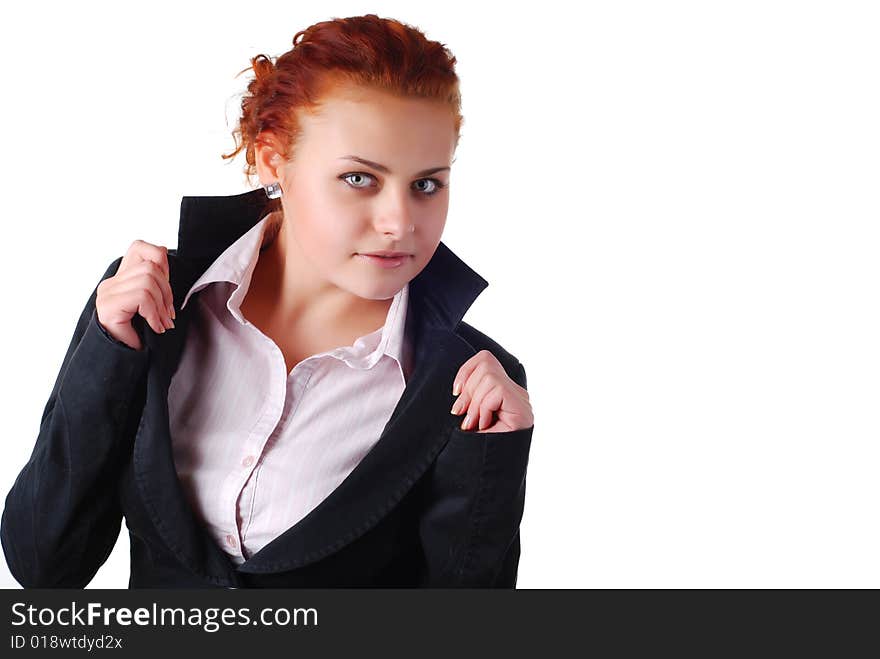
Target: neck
(286, 289)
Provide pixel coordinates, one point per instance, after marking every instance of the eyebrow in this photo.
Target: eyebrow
(385, 170)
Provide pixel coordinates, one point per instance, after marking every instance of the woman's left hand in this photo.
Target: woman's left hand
(493, 402)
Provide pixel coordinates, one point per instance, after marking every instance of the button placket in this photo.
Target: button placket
(230, 493)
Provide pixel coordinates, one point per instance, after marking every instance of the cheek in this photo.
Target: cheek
(321, 232)
(427, 246)
(433, 230)
(333, 242)
(316, 215)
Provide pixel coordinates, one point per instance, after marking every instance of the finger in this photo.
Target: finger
(147, 284)
(470, 394)
(165, 288)
(469, 384)
(160, 294)
(465, 402)
(460, 404)
(483, 402)
(152, 279)
(472, 419)
(466, 370)
(489, 405)
(138, 300)
(150, 268)
(150, 309)
(158, 254)
(463, 407)
(141, 251)
(166, 280)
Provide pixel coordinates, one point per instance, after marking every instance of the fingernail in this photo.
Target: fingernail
(455, 388)
(466, 422)
(173, 312)
(454, 407)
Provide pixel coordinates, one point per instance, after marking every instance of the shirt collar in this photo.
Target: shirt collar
(443, 291)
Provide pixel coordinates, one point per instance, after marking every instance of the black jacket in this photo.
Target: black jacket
(430, 505)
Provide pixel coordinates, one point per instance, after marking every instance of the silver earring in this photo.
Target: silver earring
(273, 190)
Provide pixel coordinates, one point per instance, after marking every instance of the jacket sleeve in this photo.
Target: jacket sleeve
(473, 503)
(62, 515)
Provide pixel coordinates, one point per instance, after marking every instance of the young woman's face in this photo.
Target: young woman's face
(337, 209)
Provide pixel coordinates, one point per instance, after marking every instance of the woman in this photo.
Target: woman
(300, 424)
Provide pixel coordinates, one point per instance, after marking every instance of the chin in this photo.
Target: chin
(377, 291)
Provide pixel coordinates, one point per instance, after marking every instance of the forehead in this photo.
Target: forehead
(361, 120)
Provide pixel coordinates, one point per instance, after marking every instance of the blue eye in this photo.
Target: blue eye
(360, 175)
(435, 184)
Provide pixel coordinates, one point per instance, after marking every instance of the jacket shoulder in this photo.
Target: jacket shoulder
(480, 341)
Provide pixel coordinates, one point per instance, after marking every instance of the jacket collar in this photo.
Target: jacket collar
(447, 286)
(417, 430)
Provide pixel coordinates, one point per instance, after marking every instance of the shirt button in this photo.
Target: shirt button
(230, 540)
(248, 461)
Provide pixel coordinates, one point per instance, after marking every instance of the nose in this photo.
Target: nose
(394, 219)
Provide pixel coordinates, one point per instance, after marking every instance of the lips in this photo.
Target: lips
(385, 261)
(386, 254)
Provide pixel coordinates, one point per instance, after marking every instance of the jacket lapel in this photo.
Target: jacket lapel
(417, 430)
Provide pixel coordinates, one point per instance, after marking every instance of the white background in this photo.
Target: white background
(675, 204)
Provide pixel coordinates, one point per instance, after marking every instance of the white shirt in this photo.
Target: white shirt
(257, 448)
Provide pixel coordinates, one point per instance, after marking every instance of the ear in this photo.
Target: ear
(268, 158)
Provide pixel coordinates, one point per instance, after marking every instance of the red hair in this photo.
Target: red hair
(378, 53)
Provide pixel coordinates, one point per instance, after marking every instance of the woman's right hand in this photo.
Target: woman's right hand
(140, 285)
